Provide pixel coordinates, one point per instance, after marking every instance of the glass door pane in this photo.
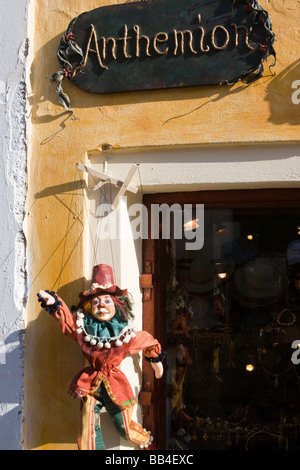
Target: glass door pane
(233, 313)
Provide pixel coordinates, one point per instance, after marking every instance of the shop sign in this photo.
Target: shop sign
(159, 44)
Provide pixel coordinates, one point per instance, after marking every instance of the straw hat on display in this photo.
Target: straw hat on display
(258, 282)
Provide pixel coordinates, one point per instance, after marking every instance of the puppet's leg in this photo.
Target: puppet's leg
(134, 431)
(90, 437)
(122, 419)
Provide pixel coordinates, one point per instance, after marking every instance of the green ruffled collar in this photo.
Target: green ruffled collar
(113, 332)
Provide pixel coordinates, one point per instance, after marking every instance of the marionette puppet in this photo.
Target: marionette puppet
(101, 326)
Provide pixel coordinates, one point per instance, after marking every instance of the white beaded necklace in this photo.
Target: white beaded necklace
(124, 336)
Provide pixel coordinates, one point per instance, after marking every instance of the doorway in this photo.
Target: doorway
(228, 315)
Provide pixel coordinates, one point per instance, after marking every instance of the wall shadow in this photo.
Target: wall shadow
(9, 440)
(11, 399)
(279, 95)
(61, 188)
(52, 361)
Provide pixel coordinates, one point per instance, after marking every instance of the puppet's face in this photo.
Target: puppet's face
(103, 307)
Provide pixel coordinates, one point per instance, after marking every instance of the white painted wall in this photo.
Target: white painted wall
(13, 186)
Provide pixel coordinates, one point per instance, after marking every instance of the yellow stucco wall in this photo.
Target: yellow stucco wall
(262, 112)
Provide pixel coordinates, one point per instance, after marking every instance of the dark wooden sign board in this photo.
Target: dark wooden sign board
(164, 44)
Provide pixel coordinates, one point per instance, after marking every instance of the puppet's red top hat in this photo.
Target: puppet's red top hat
(102, 282)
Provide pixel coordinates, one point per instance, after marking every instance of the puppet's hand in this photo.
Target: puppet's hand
(46, 297)
(158, 369)
(49, 301)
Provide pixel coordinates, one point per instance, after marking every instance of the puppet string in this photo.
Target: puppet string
(95, 243)
(67, 231)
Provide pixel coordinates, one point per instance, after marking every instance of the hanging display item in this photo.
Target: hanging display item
(164, 44)
(101, 325)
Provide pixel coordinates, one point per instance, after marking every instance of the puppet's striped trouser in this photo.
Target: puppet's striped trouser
(90, 437)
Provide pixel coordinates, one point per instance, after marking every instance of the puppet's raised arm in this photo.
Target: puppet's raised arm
(57, 308)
